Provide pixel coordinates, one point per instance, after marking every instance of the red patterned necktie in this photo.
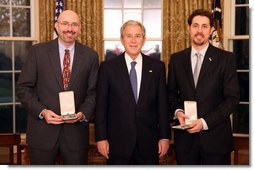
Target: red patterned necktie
(66, 69)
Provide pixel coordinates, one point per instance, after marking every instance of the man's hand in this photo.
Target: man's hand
(181, 117)
(196, 126)
(103, 148)
(79, 115)
(52, 118)
(163, 147)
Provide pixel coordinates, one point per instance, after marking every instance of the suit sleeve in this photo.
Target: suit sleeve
(101, 104)
(230, 92)
(164, 117)
(27, 83)
(173, 95)
(88, 106)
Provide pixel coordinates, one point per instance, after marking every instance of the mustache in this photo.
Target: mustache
(199, 34)
(69, 32)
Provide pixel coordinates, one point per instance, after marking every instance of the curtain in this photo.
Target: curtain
(175, 16)
(46, 19)
(90, 13)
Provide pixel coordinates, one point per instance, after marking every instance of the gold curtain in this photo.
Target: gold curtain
(175, 15)
(46, 18)
(90, 13)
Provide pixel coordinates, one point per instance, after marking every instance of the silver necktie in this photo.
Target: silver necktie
(197, 68)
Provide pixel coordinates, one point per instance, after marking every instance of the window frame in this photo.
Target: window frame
(34, 38)
(229, 37)
(148, 39)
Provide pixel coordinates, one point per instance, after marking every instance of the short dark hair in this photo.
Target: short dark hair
(201, 12)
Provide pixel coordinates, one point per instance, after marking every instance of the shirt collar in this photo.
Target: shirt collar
(61, 46)
(129, 60)
(202, 52)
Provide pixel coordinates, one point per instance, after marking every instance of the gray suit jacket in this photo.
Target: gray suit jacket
(40, 82)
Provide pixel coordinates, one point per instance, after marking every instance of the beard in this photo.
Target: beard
(199, 42)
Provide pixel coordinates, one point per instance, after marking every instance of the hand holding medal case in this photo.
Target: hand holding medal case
(67, 105)
(190, 109)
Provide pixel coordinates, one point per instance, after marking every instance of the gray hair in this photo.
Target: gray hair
(134, 23)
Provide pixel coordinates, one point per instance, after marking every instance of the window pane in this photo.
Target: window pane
(4, 21)
(21, 2)
(241, 119)
(21, 22)
(132, 4)
(152, 3)
(242, 2)
(16, 80)
(112, 23)
(241, 21)
(6, 114)
(153, 49)
(5, 87)
(152, 23)
(21, 119)
(112, 49)
(132, 15)
(21, 49)
(113, 4)
(244, 86)
(241, 51)
(5, 55)
(4, 2)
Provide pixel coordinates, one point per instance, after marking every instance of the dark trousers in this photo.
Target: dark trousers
(136, 159)
(41, 157)
(196, 156)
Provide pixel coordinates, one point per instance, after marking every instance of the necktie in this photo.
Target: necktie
(66, 69)
(197, 68)
(133, 78)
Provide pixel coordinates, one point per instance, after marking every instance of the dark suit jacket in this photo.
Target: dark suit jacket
(217, 96)
(39, 84)
(120, 120)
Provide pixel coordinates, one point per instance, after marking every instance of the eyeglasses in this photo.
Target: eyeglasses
(67, 24)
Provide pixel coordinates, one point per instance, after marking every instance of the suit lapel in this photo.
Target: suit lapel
(145, 78)
(124, 77)
(187, 67)
(54, 58)
(76, 66)
(208, 60)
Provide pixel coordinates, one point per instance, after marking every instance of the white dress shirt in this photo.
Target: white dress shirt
(138, 68)
(62, 52)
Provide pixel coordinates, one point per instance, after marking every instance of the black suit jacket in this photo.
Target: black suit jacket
(40, 82)
(120, 120)
(217, 96)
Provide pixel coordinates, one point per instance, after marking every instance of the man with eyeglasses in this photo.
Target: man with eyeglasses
(60, 65)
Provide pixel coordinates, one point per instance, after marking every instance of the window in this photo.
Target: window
(236, 33)
(17, 34)
(148, 12)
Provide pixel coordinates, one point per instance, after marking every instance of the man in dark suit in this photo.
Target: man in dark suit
(132, 119)
(39, 84)
(208, 140)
